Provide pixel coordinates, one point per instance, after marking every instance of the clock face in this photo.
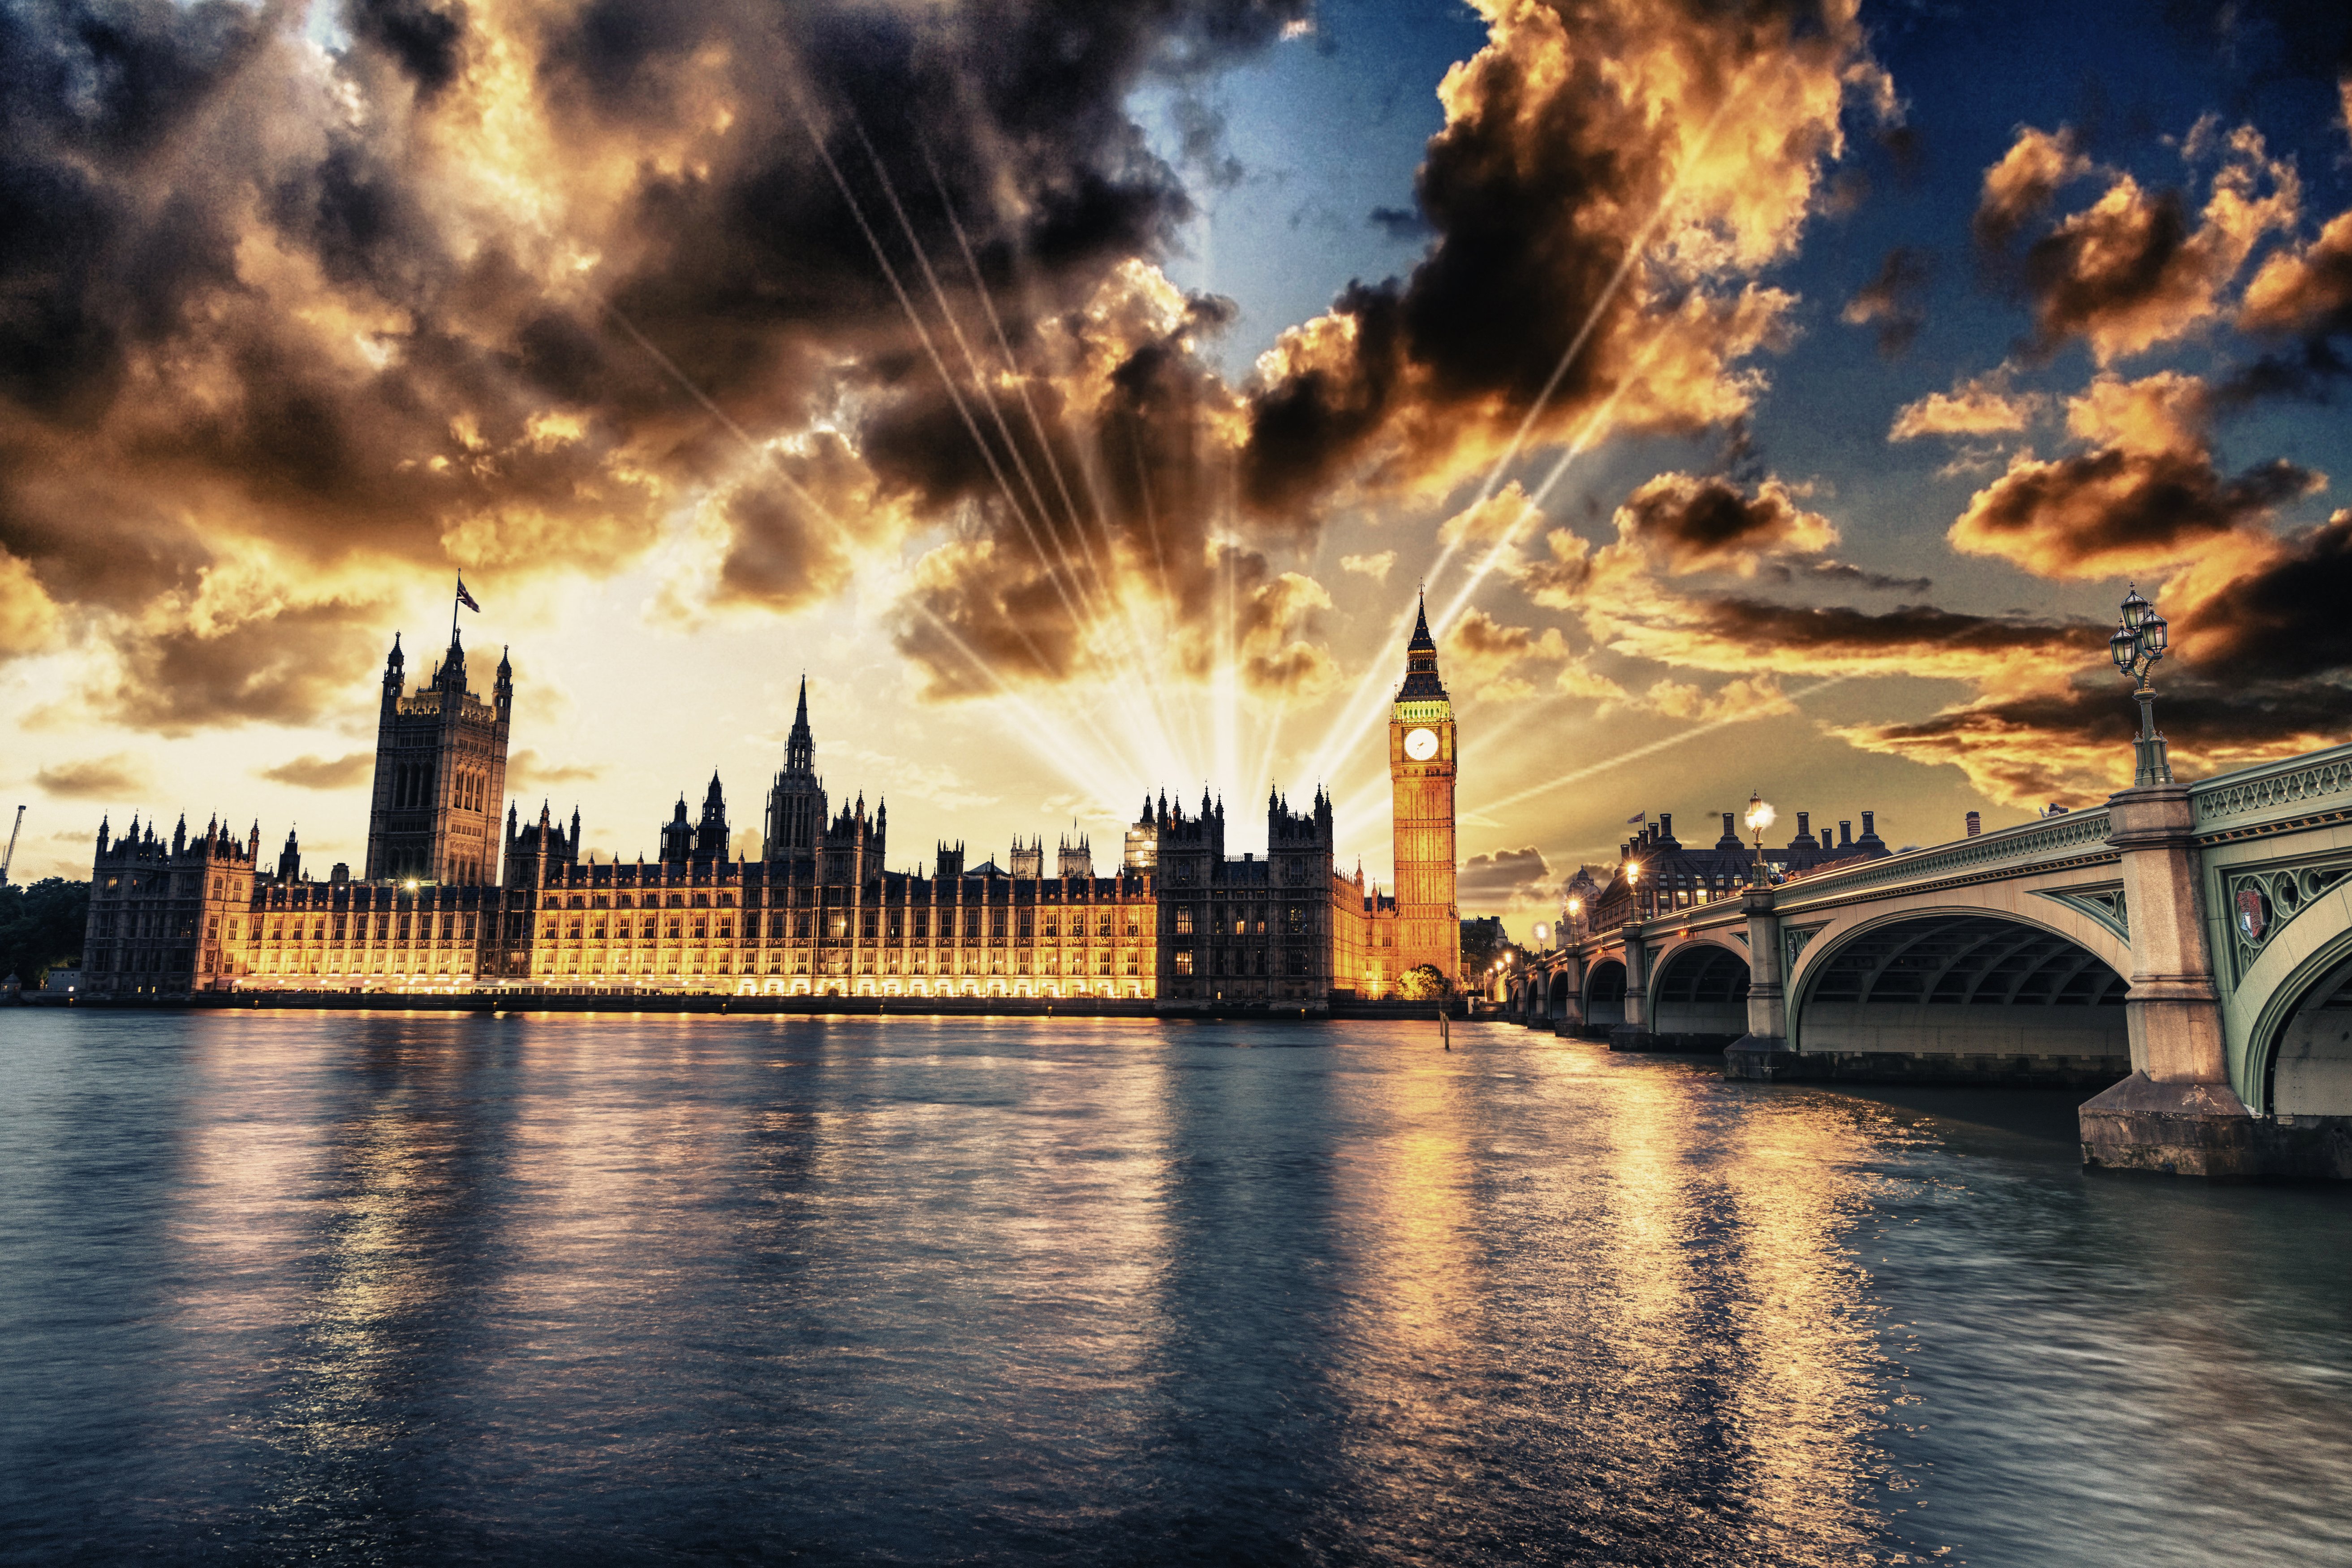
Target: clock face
(1421, 745)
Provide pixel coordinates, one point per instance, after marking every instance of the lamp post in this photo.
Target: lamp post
(1575, 917)
(1543, 935)
(1759, 817)
(1633, 882)
(2139, 640)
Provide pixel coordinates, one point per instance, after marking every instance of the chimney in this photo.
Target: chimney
(1976, 824)
(1804, 825)
(1867, 830)
(1845, 834)
(1666, 826)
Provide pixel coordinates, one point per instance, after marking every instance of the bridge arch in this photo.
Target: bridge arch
(1555, 1001)
(1698, 995)
(1604, 995)
(2304, 1037)
(1946, 988)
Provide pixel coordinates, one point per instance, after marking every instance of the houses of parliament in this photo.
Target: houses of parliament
(452, 899)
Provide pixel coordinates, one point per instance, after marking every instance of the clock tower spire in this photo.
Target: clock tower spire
(1420, 787)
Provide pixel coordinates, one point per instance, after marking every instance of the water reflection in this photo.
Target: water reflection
(489, 1290)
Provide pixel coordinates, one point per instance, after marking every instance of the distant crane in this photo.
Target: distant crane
(10, 859)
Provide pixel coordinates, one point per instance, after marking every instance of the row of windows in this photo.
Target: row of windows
(1238, 919)
(1236, 961)
(868, 963)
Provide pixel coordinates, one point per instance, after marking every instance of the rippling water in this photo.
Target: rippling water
(522, 1290)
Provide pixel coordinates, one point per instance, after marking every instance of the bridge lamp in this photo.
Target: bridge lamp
(2142, 637)
(1543, 933)
(1760, 815)
(1634, 883)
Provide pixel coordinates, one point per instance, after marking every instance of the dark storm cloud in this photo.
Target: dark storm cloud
(2306, 292)
(1939, 637)
(2073, 746)
(1562, 138)
(1506, 878)
(1890, 300)
(1694, 524)
(2113, 510)
(2260, 666)
(2138, 266)
(2283, 620)
(282, 670)
(275, 317)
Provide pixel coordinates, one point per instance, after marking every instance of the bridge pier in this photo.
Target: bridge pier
(2177, 1112)
(1569, 1019)
(1633, 1034)
(1762, 1054)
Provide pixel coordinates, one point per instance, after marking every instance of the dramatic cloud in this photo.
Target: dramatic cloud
(2307, 291)
(112, 778)
(1506, 879)
(2147, 497)
(1375, 565)
(1614, 175)
(1480, 656)
(2261, 667)
(2021, 185)
(514, 290)
(311, 772)
(1890, 300)
(1983, 406)
(184, 671)
(1678, 524)
(1736, 636)
(1710, 525)
(2138, 268)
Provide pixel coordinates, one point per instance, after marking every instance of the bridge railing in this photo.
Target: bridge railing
(2050, 837)
(2271, 792)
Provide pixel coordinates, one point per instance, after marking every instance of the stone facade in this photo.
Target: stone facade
(818, 913)
(440, 774)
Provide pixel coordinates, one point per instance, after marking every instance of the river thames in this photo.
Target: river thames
(385, 1289)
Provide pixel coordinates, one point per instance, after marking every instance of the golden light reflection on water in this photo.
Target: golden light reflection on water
(1809, 1393)
(388, 1288)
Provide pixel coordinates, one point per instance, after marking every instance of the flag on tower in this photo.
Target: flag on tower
(463, 597)
(1638, 816)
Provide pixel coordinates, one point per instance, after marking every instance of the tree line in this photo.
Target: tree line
(41, 928)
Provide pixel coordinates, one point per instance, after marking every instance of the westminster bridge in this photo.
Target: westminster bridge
(2186, 947)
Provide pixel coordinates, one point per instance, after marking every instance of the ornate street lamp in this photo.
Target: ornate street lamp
(2139, 642)
(1575, 914)
(1633, 884)
(1543, 933)
(1759, 817)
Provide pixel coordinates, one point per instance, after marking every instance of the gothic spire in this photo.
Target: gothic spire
(800, 749)
(1421, 683)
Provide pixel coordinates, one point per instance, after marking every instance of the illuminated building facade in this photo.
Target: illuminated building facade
(1179, 923)
(1421, 792)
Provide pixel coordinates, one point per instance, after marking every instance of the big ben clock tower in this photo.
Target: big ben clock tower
(1420, 783)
